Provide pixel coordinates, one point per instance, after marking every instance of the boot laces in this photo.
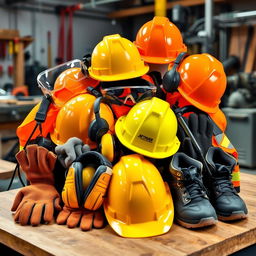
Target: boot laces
(194, 185)
(222, 181)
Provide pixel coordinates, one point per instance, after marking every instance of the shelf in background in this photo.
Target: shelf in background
(150, 8)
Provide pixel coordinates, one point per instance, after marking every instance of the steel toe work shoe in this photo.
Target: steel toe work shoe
(224, 198)
(191, 203)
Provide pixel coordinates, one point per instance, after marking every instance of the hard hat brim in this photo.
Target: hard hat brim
(209, 110)
(158, 155)
(157, 60)
(125, 76)
(146, 229)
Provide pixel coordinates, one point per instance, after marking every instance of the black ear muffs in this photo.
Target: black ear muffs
(99, 126)
(171, 79)
(92, 197)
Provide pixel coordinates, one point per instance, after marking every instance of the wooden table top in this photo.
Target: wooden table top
(6, 169)
(222, 239)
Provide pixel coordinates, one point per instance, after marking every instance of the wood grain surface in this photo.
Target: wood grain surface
(6, 169)
(222, 239)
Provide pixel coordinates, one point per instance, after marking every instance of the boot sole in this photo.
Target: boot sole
(202, 223)
(233, 216)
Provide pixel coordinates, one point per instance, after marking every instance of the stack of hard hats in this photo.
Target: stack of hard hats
(113, 99)
(139, 203)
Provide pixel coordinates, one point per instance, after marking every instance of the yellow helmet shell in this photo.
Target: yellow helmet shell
(116, 58)
(149, 129)
(139, 203)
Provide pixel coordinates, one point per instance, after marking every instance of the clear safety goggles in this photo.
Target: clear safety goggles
(129, 95)
(46, 79)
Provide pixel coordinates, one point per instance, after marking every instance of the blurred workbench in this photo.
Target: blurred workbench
(6, 169)
(52, 239)
(12, 113)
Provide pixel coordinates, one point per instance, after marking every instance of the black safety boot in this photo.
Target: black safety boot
(191, 203)
(223, 196)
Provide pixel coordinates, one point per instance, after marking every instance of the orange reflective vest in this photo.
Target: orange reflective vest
(25, 129)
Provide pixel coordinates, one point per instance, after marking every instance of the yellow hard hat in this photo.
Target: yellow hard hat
(74, 118)
(138, 203)
(149, 129)
(116, 58)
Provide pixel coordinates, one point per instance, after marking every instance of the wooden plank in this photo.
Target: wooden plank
(150, 8)
(238, 40)
(6, 169)
(250, 61)
(9, 33)
(52, 239)
(19, 70)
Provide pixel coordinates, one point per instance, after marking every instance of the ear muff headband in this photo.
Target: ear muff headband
(171, 79)
(92, 197)
(93, 157)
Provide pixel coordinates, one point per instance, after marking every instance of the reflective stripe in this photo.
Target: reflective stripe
(235, 176)
(219, 138)
(224, 141)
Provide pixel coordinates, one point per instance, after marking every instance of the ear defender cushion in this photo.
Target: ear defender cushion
(95, 193)
(171, 79)
(107, 146)
(97, 129)
(92, 197)
(71, 193)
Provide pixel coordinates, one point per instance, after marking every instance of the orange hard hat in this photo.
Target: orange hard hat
(202, 81)
(159, 41)
(75, 117)
(70, 83)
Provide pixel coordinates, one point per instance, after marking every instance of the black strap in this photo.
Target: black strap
(43, 109)
(157, 78)
(93, 157)
(39, 118)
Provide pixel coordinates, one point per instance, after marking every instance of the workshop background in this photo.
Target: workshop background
(39, 34)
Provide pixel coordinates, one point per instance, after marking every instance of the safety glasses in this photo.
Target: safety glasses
(46, 79)
(128, 95)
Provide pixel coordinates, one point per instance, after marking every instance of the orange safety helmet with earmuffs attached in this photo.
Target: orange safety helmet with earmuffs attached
(74, 194)
(75, 117)
(199, 78)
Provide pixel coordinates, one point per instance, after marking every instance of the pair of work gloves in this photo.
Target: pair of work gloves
(202, 129)
(37, 203)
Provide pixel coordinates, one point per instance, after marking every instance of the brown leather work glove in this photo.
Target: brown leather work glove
(87, 219)
(36, 203)
(38, 164)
